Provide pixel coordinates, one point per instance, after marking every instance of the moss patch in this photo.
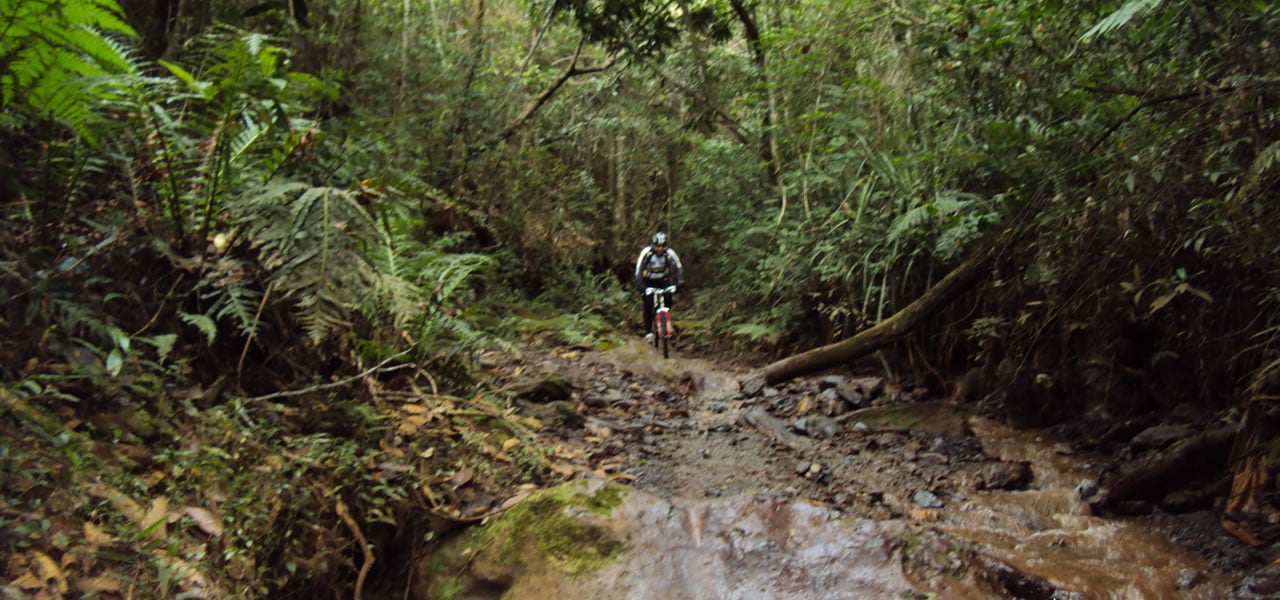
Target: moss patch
(544, 527)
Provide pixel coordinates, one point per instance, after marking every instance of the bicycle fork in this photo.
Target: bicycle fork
(662, 322)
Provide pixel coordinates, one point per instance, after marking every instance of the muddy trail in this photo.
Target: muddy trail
(860, 448)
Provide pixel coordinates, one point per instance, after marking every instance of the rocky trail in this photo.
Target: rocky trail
(840, 487)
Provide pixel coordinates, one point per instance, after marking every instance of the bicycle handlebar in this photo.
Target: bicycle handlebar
(653, 290)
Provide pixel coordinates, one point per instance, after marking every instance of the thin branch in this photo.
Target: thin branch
(1125, 119)
(537, 103)
(316, 388)
(537, 40)
(345, 514)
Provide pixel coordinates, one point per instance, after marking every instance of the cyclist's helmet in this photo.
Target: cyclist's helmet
(659, 239)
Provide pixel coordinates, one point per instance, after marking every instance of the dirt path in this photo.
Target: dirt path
(681, 428)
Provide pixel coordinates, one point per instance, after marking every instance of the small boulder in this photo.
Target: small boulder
(1005, 476)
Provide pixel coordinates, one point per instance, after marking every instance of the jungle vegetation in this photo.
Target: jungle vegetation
(230, 226)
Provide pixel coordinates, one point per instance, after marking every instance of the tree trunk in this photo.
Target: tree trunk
(883, 333)
(768, 141)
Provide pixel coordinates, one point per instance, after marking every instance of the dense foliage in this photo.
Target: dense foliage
(252, 197)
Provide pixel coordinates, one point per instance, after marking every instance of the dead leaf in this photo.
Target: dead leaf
(509, 444)
(512, 501)
(98, 585)
(926, 514)
(204, 519)
(417, 421)
(430, 495)
(461, 478)
(564, 469)
(611, 466)
(49, 574)
(627, 477)
(570, 355)
(132, 510)
(390, 450)
(428, 453)
(154, 521)
(504, 457)
(804, 405)
(414, 409)
(599, 431)
(27, 581)
(95, 536)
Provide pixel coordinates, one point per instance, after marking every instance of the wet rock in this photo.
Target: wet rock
(774, 429)
(1185, 501)
(1087, 489)
(868, 387)
(1131, 508)
(932, 417)
(751, 386)
(829, 402)
(560, 413)
(1263, 583)
(926, 499)
(1005, 476)
(831, 381)
(817, 426)
(549, 388)
(1189, 578)
(1023, 585)
(1159, 437)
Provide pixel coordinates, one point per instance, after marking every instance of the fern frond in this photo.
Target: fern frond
(912, 219)
(1119, 18)
(313, 241)
(54, 56)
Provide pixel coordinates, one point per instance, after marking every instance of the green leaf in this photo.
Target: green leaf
(199, 87)
(119, 338)
(115, 362)
(163, 344)
(1160, 302)
(203, 323)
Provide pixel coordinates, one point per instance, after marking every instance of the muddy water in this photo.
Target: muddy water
(1050, 532)
(1047, 530)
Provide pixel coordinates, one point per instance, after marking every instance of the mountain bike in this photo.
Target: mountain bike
(661, 318)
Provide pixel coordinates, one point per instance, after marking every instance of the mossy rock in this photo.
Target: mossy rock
(932, 417)
(527, 550)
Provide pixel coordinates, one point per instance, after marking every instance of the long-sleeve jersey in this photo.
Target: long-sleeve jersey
(654, 268)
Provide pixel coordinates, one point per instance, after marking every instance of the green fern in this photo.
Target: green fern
(54, 55)
(312, 241)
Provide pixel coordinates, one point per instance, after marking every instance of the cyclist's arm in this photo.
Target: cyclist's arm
(675, 260)
(639, 265)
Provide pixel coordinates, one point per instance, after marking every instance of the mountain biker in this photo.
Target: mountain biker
(657, 267)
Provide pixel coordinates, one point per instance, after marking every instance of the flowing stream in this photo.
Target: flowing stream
(1050, 532)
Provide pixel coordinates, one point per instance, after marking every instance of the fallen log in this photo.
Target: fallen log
(880, 335)
(1203, 455)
